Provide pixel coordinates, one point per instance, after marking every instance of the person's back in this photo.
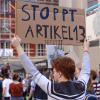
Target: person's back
(36, 93)
(16, 88)
(63, 72)
(39, 94)
(68, 90)
(64, 93)
(6, 83)
(26, 85)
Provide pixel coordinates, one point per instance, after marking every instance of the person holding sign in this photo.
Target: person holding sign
(62, 87)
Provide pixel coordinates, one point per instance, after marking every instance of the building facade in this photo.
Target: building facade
(7, 22)
(7, 27)
(84, 4)
(8, 30)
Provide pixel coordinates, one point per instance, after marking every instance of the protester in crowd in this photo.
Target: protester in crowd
(6, 83)
(1, 80)
(26, 85)
(96, 83)
(90, 93)
(31, 93)
(16, 88)
(36, 93)
(99, 76)
(62, 88)
(4, 70)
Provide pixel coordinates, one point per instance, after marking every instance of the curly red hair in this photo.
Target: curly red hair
(65, 65)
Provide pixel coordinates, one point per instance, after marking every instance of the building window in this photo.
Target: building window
(25, 47)
(4, 45)
(32, 51)
(41, 50)
(5, 49)
(4, 26)
(92, 2)
(29, 49)
(4, 6)
(60, 47)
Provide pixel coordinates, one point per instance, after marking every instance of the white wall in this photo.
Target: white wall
(90, 27)
(73, 3)
(79, 4)
(93, 26)
(65, 3)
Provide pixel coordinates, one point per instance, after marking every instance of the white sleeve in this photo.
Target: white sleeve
(33, 85)
(23, 81)
(4, 84)
(39, 79)
(85, 71)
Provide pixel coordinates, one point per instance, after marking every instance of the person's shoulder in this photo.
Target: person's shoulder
(0, 82)
(5, 80)
(90, 97)
(76, 87)
(23, 81)
(10, 80)
(33, 83)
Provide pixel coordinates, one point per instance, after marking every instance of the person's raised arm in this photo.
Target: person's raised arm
(27, 63)
(85, 71)
(16, 41)
(29, 67)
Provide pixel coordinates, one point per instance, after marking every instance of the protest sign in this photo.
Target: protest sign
(47, 24)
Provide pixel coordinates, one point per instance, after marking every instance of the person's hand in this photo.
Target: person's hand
(86, 45)
(16, 41)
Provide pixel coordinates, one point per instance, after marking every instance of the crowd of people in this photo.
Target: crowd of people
(64, 84)
(16, 87)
